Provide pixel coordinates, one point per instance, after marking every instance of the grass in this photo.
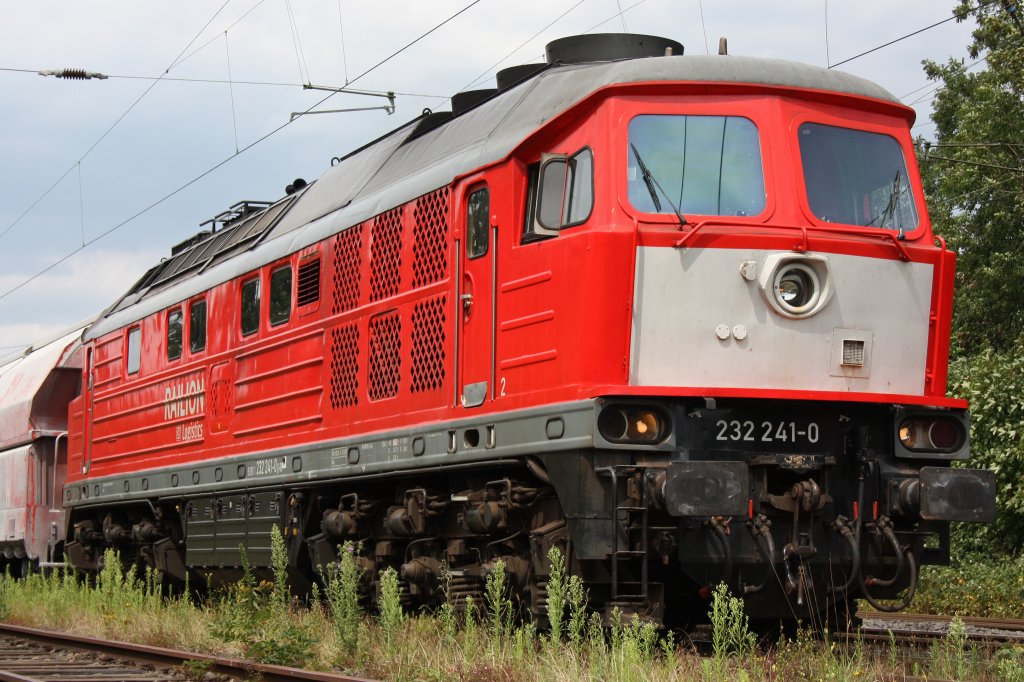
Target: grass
(263, 621)
(973, 586)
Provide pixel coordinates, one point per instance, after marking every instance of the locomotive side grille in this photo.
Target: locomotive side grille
(853, 352)
(348, 252)
(428, 319)
(385, 355)
(430, 233)
(309, 283)
(344, 366)
(386, 255)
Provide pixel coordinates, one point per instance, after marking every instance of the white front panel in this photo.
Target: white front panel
(687, 298)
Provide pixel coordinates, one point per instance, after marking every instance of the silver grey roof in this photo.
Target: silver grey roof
(399, 167)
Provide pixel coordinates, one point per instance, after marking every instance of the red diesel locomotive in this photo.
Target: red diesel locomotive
(683, 317)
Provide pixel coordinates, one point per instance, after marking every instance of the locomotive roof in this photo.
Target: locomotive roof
(403, 165)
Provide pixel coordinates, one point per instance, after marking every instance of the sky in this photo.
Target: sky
(99, 178)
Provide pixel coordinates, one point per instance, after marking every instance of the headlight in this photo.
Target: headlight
(796, 286)
(932, 435)
(632, 424)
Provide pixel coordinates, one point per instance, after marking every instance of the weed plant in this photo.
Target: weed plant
(259, 619)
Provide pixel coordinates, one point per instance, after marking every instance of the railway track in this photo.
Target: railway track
(32, 655)
(925, 628)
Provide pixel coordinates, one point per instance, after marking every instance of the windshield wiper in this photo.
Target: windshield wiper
(895, 192)
(651, 182)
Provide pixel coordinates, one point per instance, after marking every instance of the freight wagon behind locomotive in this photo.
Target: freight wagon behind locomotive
(35, 388)
(683, 317)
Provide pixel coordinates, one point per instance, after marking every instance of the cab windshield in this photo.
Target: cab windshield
(856, 177)
(701, 165)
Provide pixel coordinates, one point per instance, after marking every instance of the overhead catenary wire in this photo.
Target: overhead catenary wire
(341, 28)
(703, 26)
(523, 44)
(222, 81)
(111, 128)
(221, 163)
(231, 90)
(957, 16)
(300, 55)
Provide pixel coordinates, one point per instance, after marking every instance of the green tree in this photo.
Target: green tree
(973, 179)
(994, 384)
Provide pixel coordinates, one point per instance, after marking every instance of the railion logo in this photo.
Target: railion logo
(185, 399)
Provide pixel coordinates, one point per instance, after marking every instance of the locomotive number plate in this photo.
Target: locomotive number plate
(767, 431)
(770, 431)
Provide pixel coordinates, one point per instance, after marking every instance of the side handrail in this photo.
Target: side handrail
(805, 244)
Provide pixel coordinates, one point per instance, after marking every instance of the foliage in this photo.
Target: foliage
(257, 616)
(980, 586)
(951, 658)
(993, 382)
(556, 593)
(390, 606)
(342, 593)
(972, 177)
(280, 594)
(730, 627)
(419, 648)
(499, 606)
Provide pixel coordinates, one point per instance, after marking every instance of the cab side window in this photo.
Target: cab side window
(250, 321)
(175, 320)
(478, 208)
(197, 326)
(280, 295)
(134, 351)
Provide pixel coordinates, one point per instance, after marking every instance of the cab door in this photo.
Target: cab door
(475, 300)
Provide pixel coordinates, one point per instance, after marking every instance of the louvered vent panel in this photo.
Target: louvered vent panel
(348, 252)
(309, 282)
(428, 345)
(386, 255)
(430, 247)
(385, 355)
(344, 366)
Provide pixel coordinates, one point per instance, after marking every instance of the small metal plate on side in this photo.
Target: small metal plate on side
(473, 394)
(353, 455)
(958, 494)
(419, 446)
(555, 428)
(706, 488)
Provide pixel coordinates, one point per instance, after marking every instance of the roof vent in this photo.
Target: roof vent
(514, 75)
(466, 100)
(607, 47)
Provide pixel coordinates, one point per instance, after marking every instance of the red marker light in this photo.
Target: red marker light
(750, 507)
(874, 510)
(856, 511)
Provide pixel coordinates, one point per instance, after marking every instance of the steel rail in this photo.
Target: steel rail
(160, 657)
(1012, 624)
